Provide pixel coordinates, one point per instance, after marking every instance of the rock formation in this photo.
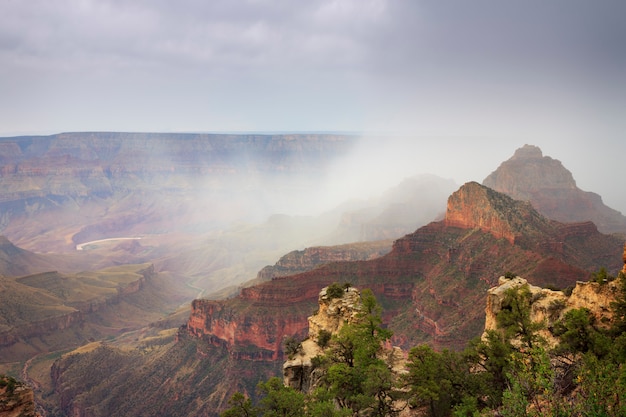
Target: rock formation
(549, 306)
(475, 206)
(16, 399)
(332, 314)
(432, 284)
(552, 190)
(299, 261)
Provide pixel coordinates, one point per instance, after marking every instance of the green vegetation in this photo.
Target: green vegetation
(602, 276)
(8, 384)
(335, 290)
(323, 338)
(356, 380)
(511, 372)
(292, 346)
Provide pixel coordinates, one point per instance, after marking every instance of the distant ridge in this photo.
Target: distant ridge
(552, 190)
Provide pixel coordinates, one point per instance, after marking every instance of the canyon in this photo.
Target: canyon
(429, 250)
(433, 286)
(98, 185)
(431, 281)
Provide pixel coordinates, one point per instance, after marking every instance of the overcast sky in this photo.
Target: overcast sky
(500, 73)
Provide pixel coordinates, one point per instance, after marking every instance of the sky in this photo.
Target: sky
(465, 83)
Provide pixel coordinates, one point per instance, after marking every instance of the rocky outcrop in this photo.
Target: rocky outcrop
(16, 399)
(247, 334)
(332, 314)
(476, 206)
(549, 306)
(552, 190)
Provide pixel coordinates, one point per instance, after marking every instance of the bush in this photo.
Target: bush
(292, 346)
(318, 361)
(323, 338)
(552, 287)
(334, 290)
(602, 276)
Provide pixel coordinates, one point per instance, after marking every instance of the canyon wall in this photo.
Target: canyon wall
(42, 307)
(299, 261)
(432, 284)
(94, 185)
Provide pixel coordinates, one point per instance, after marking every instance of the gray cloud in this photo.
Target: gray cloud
(515, 69)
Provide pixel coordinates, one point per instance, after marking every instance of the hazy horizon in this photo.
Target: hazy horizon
(463, 83)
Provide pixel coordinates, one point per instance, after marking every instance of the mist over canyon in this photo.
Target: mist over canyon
(251, 227)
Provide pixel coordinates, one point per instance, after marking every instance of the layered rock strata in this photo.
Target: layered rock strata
(95, 185)
(432, 284)
(552, 190)
(299, 261)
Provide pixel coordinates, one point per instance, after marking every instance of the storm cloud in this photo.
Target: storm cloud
(515, 72)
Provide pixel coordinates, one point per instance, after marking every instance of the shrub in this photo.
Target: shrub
(602, 276)
(552, 287)
(555, 307)
(292, 346)
(334, 290)
(323, 338)
(318, 361)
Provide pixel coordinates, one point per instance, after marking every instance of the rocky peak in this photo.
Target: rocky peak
(332, 314)
(477, 206)
(528, 152)
(552, 190)
(528, 171)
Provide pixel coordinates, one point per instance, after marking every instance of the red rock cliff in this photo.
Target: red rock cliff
(433, 282)
(476, 206)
